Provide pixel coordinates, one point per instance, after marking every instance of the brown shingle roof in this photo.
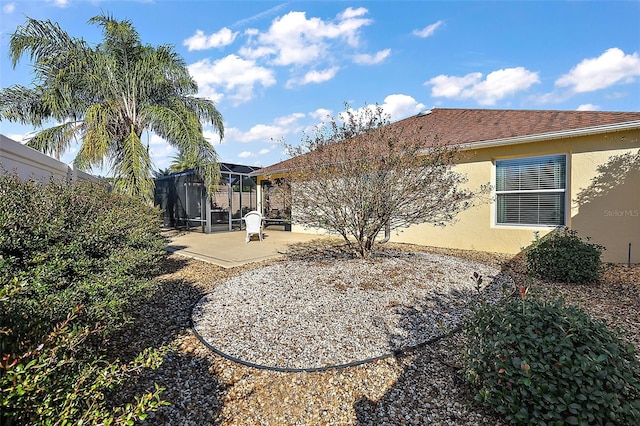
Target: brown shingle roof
(469, 126)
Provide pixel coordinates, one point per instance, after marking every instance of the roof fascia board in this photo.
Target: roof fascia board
(271, 172)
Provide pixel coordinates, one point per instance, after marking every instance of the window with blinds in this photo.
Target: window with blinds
(531, 191)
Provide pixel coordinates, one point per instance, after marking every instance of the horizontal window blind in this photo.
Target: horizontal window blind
(531, 191)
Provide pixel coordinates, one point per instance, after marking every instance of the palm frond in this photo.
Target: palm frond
(207, 111)
(132, 168)
(55, 140)
(97, 139)
(171, 122)
(23, 105)
(208, 168)
(120, 37)
(43, 40)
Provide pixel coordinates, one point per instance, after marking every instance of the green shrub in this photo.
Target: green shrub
(74, 245)
(549, 363)
(54, 383)
(75, 261)
(563, 256)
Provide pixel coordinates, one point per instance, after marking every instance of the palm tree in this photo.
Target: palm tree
(105, 97)
(182, 162)
(161, 173)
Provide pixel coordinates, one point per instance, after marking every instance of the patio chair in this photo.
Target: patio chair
(253, 222)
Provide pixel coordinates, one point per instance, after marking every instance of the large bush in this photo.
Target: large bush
(563, 256)
(74, 262)
(550, 363)
(74, 245)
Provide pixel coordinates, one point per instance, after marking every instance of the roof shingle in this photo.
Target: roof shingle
(469, 126)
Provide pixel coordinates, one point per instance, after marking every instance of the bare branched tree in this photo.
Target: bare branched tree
(359, 173)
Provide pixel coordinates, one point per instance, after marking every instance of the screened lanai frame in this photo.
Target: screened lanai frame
(275, 201)
(185, 203)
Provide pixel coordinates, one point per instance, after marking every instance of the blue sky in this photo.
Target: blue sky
(277, 69)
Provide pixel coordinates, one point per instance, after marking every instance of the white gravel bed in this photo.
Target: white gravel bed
(306, 315)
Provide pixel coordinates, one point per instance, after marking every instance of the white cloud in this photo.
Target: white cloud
(244, 155)
(428, 30)
(314, 76)
(212, 136)
(210, 92)
(292, 39)
(366, 59)
(450, 86)
(155, 141)
(200, 41)
(320, 76)
(161, 152)
(17, 137)
(615, 95)
(350, 12)
(162, 157)
(236, 76)
(9, 8)
(321, 114)
(59, 3)
(395, 107)
(281, 127)
(550, 98)
(399, 106)
(288, 120)
(263, 132)
(610, 68)
(310, 46)
(496, 86)
(588, 107)
(255, 133)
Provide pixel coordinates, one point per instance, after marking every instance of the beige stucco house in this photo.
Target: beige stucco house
(579, 169)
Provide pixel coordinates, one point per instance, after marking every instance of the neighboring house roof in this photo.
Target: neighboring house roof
(477, 128)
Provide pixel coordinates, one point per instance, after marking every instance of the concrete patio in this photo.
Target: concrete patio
(229, 249)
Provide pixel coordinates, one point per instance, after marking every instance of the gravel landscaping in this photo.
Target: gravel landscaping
(421, 386)
(317, 314)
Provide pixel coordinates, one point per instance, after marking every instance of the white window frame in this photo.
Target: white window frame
(532, 159)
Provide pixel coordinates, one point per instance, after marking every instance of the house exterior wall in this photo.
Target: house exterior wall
(610, 218)
(29, 163)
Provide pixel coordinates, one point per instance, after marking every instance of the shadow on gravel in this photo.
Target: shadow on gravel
(320, 250)
(431, 318)
(432, 388)
(192, 391)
